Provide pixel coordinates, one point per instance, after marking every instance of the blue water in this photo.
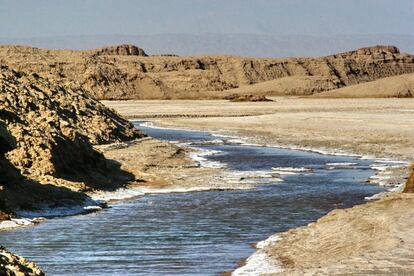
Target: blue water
(202, 233)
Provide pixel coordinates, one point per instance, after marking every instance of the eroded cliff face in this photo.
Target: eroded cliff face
(46, 136)
(117, 73)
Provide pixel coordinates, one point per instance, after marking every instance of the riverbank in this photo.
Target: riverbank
(370, 238)
(373, 238)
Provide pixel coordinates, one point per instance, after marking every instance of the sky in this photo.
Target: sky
(41, 18)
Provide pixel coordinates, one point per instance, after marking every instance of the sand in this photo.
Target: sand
(369, 239)
(373, 238)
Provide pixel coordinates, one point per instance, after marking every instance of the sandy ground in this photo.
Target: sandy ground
(369, 239)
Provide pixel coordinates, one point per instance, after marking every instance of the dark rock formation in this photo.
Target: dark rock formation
(246, 98)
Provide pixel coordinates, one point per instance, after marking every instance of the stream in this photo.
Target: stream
(197, 233)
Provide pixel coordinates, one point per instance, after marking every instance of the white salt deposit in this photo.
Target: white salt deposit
(13, 223)
(342, 164)
(59, 211)
(199, 156)
(290, 170)
(259, 263)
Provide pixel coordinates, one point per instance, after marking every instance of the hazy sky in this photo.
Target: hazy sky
(34, 18)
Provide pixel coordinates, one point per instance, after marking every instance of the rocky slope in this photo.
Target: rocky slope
(11, 264)
(122, 72)
(47, 132)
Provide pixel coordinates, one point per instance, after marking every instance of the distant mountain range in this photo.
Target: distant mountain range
(125, 72)
(255, 45)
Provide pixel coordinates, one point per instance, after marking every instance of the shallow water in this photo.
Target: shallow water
(200, 233)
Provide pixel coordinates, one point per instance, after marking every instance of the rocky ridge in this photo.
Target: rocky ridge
(116, 73)
(120, 50)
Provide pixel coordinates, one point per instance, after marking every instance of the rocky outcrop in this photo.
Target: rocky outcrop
(11, 264)
(246, 98)
(378, 51)
(116, 76)
(47, 132)
(120, 50)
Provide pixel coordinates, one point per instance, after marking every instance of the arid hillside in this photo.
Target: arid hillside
(401, 86)
(125, 72)
(46, 137)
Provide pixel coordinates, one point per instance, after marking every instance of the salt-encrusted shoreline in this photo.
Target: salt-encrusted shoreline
(259, 262)
(31, 217)
(381, 165)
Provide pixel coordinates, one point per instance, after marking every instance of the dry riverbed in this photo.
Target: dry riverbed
(367, 239)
